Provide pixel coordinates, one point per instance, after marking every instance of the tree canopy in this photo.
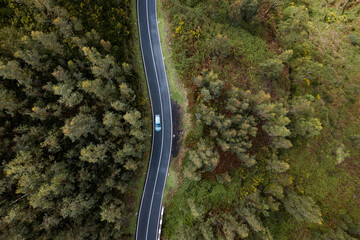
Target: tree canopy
(71, 126)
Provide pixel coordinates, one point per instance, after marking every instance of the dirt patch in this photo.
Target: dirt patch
(260, 140)
(228, 160)
(352, 166)
(177, 131)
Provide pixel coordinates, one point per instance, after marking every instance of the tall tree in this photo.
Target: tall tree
(303, 208)
(71, 128)
(243, 10)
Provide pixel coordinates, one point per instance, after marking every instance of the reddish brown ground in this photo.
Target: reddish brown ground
(228, 160)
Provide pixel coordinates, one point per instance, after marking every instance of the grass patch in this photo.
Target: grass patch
(178, 94)
(172, 183)
(176, 90)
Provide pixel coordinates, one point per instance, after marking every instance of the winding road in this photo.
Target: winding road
(150, 206)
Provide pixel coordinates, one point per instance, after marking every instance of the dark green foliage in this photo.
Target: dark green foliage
(233, 205)
(111, 19)
(311, 72)
(202, 158)
(272, 68)
(220, 46)
(303, 122)
(303, 208)
(243, 10)
(72, 132)
(354, 39)
(232, 123)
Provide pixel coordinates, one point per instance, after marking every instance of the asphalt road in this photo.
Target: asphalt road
(150, 206)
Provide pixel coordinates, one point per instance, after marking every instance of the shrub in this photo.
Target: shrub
(221, 46)
(354, 39)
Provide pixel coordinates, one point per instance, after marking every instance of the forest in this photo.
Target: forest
(272, 100)
(73, 123)
(269, 98)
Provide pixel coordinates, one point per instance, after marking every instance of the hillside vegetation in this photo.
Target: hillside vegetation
(72, 125)
(273, 152)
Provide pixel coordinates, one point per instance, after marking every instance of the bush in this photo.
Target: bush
(356, 141)
(221, 46)
(194, 135)
(354, 39)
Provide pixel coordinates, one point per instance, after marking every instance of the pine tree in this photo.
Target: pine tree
(12, 70)
(275, 189)
(111, 212)
(220, 46)
(252, 220)
(8, 101)
(202, 158)
(303, 208)
(69, 97)
(271, 69)
(80, 126)
(278, 166)
(101, 67)
(233, 228)
(307, 127)
(302, 114)
(295, 24)
(114, 124)
(207, 229)
(72, 134)
(195, 210)
(243, 10)
(49, 41)
(94, 153)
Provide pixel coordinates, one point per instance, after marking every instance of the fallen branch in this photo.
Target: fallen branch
(271, 8)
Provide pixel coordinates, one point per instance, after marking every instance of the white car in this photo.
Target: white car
(157, 123)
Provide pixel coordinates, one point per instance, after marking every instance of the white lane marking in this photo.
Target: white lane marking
(162, 132)
(167, 84)
(152, 109)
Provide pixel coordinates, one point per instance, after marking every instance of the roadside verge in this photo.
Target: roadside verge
(181, 118)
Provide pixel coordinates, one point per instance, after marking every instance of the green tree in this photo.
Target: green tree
(195, 210)
(307, 127)
(278, 166)
(207, 229)
(71, 127)
(232, 227)
(94, 153)
(50, 41)
(294, 28)
(202, 158)
(80, 126)
(101, 67)
(271, 69)
(303, 208)
(211, 82)
(12, 70)
(275, 189)
(276, 121)
(220, 46)
(243, 10)
(303, 120)
(8, 101)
